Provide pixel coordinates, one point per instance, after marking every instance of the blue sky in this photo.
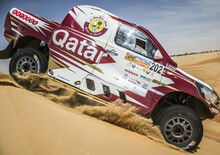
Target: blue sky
(180, 25)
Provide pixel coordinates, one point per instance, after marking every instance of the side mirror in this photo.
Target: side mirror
(158, 55)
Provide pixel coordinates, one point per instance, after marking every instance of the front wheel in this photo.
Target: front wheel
(181, 127)
(28, 60)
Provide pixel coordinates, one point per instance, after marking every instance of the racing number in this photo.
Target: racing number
(156, 68)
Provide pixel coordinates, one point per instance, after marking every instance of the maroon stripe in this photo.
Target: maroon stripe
(17, 22)
(74, 11)
(59, 61)
(40, 18)
(63, 64)
(57, 55)
(58, 64)
(112, 97)
(137, 97)
(81, 10)
(67, 55)
(80, 34)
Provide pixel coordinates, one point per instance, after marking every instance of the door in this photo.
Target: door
(134, 69)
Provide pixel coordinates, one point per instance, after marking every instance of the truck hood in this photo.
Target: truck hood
(194, 78)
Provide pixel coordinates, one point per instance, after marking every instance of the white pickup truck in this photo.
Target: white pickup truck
(110, 58)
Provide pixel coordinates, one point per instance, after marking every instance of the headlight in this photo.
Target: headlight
(207, 93)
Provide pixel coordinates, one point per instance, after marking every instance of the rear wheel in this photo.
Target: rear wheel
(28, 60)
(181, 127)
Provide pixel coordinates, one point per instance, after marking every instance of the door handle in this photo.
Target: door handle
(112, 52)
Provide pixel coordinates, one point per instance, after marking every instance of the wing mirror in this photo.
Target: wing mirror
(158, 55)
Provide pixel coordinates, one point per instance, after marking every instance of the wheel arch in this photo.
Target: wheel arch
(184, 99)
(27, 41)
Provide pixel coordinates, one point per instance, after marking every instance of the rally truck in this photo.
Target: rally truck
(109, 58)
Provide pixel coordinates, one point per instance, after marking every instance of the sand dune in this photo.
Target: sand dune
(123, 115)
(41, 116)
(31, 124)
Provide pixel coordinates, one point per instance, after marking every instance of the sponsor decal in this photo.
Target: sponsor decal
(172, 68)
(25, 17)
(131, 79)
(145, 86)
(134, 81)
(157, 68)
(77, 46)
(130, 72)
(96, 26)
(135, 67)
(125, 76)
(145, 78)
(112, 52)
(61, 77)
(147, 71)
(139, 90)
(33, 22)
(138, 60)
(145, 81)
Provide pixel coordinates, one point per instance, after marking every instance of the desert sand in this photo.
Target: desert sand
(42, 120)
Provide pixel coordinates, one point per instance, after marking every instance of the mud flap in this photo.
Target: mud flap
(8, 52)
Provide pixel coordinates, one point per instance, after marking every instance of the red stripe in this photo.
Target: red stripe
(59, 61)
(68, 55)
(112, 97)
(17, 22)
(140, 99)
(74, 11)
(42, 19)
(58, 64)
(80, 10)
(64, 59)
(67, 67)
(80, 33)
(74, 24)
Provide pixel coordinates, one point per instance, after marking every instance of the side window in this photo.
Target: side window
(132, 39)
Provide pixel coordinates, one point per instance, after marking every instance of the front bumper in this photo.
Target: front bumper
(215, 108)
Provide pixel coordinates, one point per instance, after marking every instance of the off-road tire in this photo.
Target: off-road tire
(190, 120)
(37, 56)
